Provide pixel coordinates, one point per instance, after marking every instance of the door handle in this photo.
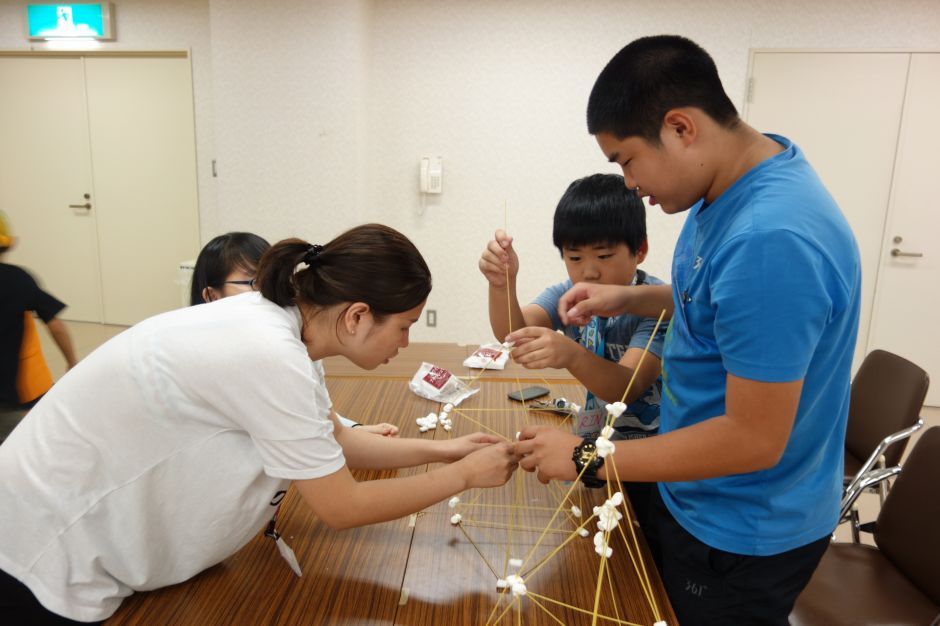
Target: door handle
(896, 252)
(86, 206)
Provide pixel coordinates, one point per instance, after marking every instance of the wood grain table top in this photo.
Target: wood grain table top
(422, 569)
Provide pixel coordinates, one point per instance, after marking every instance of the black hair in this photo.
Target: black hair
(599, 209)
(372, 263)
(651, 76)
(221, 256)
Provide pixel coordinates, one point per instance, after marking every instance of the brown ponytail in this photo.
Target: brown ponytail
(372, 263)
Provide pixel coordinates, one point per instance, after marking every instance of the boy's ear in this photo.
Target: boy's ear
(642, 251)
(679, 124)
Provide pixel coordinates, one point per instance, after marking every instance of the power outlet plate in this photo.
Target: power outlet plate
(430, 317)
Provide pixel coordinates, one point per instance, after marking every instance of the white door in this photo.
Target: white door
(844, 111)
(121, 130)
(140, 113)
(44, 168)
(908, 294)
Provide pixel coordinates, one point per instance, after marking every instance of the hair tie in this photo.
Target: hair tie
(312, 253)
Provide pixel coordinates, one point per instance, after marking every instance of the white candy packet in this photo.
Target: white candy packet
(437, 384)
(490, 356)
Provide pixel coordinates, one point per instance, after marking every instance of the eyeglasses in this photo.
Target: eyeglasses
(250, 283)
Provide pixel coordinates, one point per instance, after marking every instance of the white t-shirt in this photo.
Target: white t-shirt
(159, 455)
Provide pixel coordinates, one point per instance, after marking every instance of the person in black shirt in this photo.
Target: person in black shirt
(21, 294)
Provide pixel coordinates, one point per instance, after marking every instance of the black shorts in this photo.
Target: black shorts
(710, 586)
(18, 606)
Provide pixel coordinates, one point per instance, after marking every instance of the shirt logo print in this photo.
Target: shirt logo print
(698, 263)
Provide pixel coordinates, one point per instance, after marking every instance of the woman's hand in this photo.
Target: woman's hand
(459, 447)
(490, 466)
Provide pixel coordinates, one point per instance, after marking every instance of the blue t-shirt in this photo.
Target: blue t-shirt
(619, 333)
(766, 284)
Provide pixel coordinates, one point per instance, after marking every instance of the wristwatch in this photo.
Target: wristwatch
(582, 457)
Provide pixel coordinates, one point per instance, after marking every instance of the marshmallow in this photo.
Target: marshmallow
(616, 409)
(607, 432)
(584, 532)
(660, 623)
(617, 498)
(517, 563)
(604, 447)
(575, 511)
(600, 545)
(448, 407)
(448, 427)
(508, 344)
(501, 583)
(517, 435)
(455, 519)
(453, 502)
(517, 585)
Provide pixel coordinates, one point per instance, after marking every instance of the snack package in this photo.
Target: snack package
(491, 356)
(437, 384)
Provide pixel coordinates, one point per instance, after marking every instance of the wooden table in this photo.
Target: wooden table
(419, 570)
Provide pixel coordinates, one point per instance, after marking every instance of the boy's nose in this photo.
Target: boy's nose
(591, 272)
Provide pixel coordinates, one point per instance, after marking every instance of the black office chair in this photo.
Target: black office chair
(899, 581)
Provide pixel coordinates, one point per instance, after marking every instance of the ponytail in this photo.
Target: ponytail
(373, 263)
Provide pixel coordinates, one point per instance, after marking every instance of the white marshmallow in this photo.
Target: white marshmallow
(448, 427)
(584, 532)
(517, 563)
(606, 432)
(453, 502)
(616, 409)
(575, 511)
(501, 583)
(604, 447)
(617, 498)
(455, 519)
(448, 407)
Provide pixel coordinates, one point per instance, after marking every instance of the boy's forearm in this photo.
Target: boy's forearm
(605, 379)
(503, 311)
(650, 300)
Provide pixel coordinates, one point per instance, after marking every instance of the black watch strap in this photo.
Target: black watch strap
(585, 465)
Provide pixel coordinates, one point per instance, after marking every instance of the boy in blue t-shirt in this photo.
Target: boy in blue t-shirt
(757, 362)
(600, 230)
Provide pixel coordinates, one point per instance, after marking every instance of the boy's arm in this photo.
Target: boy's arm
(497, 263)
(608, 380)
(585, 300)
(60, 334)
(752, 435)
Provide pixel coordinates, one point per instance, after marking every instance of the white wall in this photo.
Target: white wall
(318, 111)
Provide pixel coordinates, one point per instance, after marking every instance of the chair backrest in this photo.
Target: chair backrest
(908, 527)
(888, 393)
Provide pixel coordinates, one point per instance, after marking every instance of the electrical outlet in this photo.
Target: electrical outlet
(430, 317)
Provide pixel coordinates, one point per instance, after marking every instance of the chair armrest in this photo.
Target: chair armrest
(860, 483)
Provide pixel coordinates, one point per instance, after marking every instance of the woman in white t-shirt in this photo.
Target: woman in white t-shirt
(165, 450)
(227, 266)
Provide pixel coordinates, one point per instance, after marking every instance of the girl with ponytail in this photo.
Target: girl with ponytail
(165, 450)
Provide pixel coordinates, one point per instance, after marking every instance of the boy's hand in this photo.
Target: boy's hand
(538, 347)
(547, 450)
(496, 257)
(490, 467)
(585, 300)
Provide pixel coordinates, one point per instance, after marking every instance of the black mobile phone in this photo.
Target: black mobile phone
(527, 393)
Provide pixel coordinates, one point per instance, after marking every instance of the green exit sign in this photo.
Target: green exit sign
(69, 21)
